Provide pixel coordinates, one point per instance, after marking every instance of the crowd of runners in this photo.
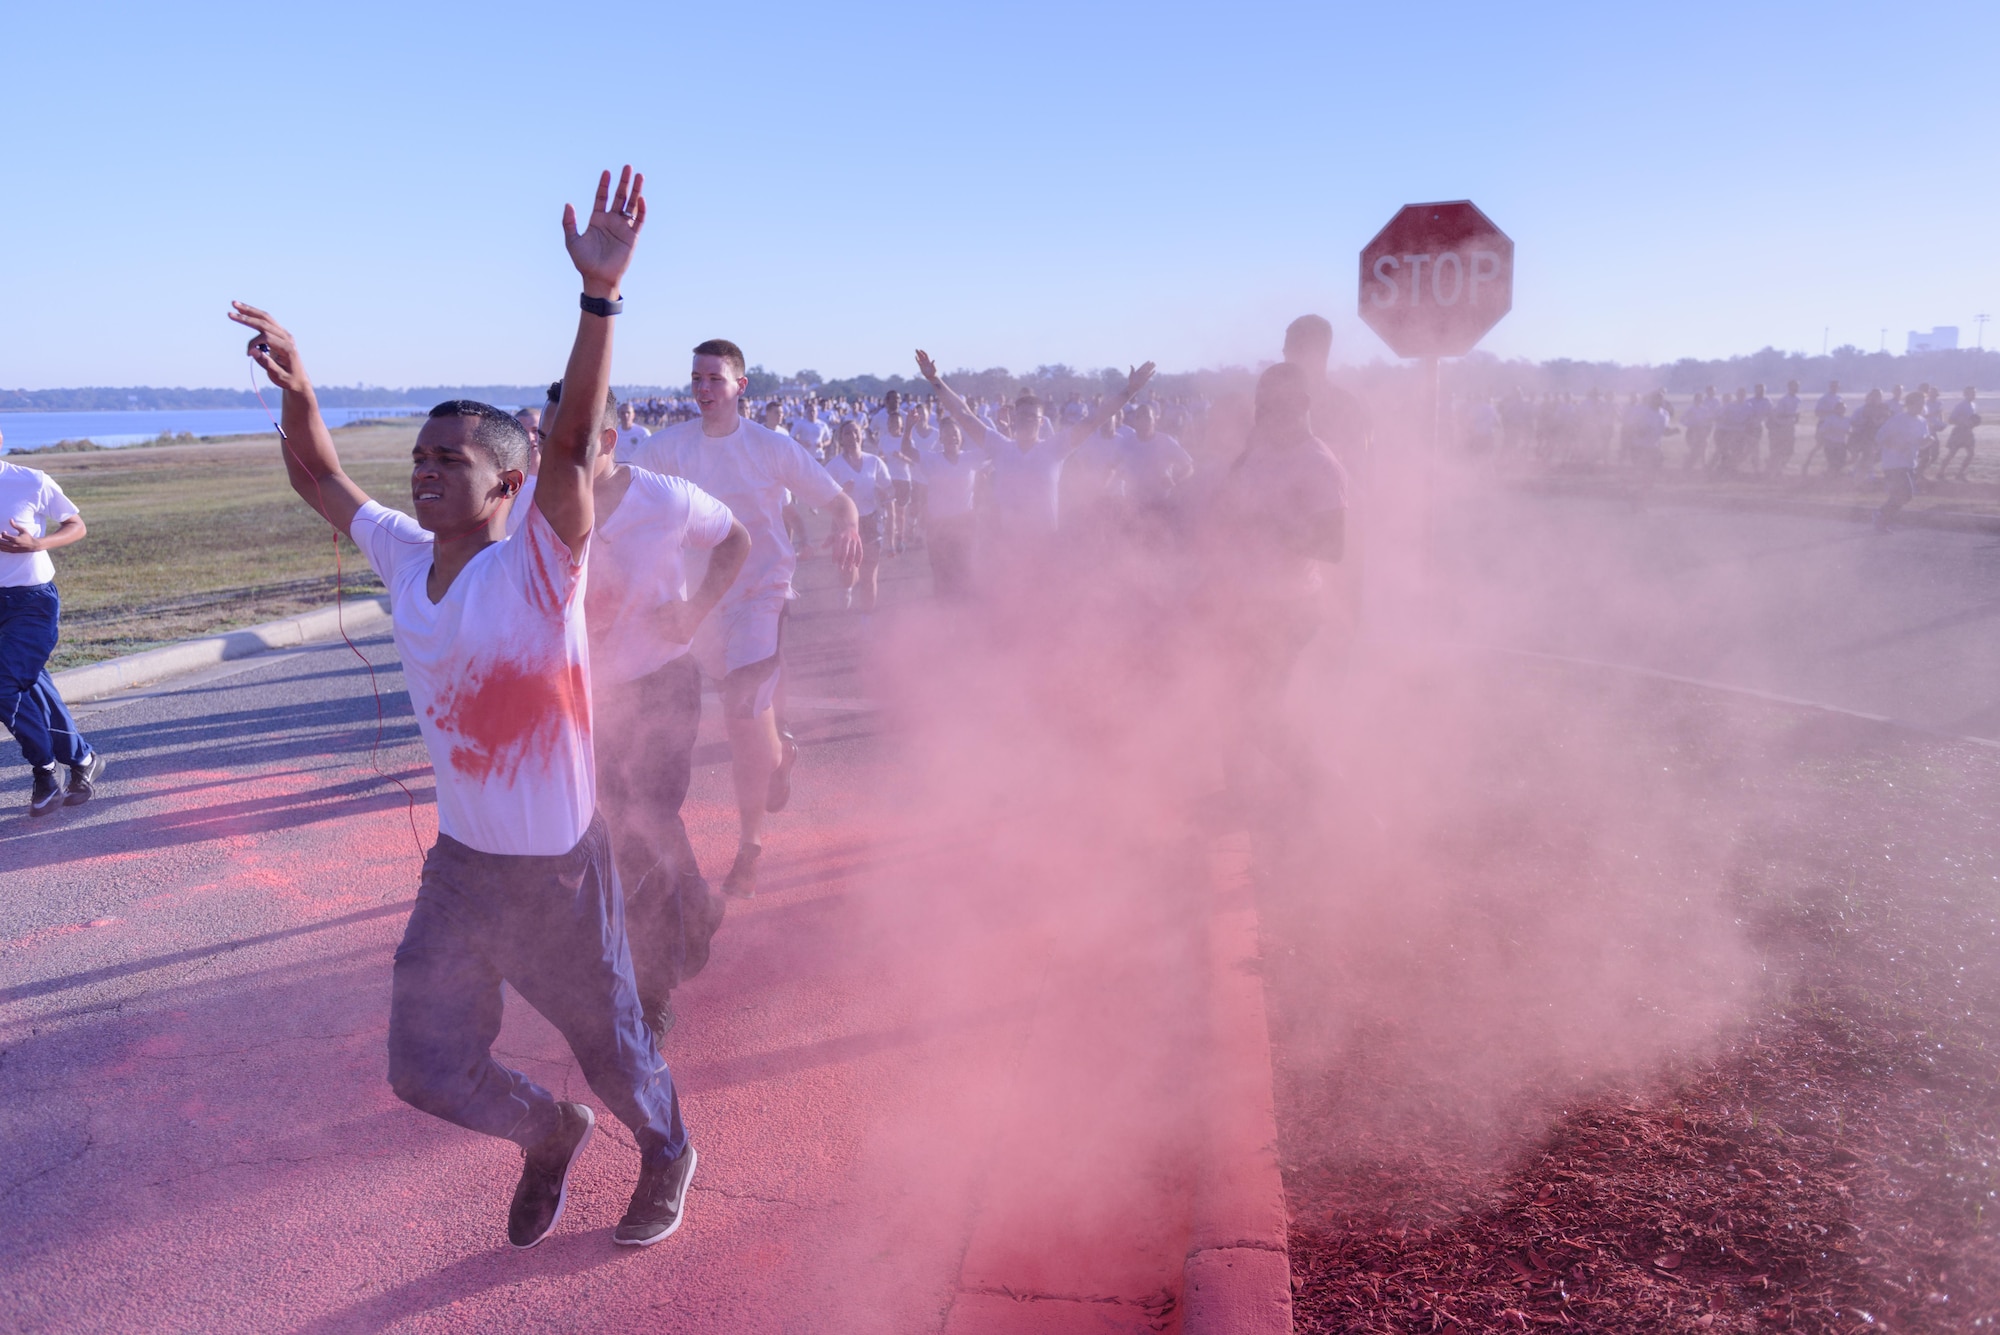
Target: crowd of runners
(1746, 431)
(570, 580)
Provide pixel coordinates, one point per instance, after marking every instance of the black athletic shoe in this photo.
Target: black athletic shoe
(659, 1016)
(543, 1190)
(742, 879)
(656, 1210)
(780, 791)
(48, 794)
(83, 780)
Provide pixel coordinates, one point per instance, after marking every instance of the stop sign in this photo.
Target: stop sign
(1436, 279)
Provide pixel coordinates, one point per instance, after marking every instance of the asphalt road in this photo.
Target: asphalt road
(909, 1067)
(1903, 625)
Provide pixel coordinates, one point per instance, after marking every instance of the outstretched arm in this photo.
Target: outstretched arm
(602, 252)
(310, 460)
(968, 421)
(1135, 380)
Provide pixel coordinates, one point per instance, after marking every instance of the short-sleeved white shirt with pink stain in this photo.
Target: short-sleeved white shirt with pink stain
(498, 672)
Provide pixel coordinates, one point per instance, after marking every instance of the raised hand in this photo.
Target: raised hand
(602, 251)
(926, 367)
(272, 348)
(1136, 380)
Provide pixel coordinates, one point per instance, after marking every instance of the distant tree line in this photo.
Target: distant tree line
(1479, 374)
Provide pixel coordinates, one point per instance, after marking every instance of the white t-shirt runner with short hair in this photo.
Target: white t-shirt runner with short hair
(639, 567)
(749, 470)
(498, 672)
(31, 498)
(951, 483)
(867, 482)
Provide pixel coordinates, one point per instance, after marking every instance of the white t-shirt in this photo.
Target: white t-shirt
(951, 482)
(749, 470)
(628, 436)
(638, 567)
(925, 443)
(31, 498)
(1026, 483)
(1900, 438)
(868, 483)
(499, 678)
(812, 433)
(1152, 467)
(892, 455)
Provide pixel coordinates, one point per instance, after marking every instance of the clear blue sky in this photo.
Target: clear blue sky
(1004, 184)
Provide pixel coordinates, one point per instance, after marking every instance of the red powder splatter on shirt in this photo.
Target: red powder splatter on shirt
(508, 713)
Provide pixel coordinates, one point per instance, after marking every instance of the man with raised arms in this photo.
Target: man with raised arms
(520, 887)
(1027, 470)
(749, 468)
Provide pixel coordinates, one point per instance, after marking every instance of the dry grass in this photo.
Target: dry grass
(194, 539)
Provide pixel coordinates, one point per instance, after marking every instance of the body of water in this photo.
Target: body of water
(31, 431)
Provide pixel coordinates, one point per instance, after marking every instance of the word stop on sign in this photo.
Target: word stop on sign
(1439, 279)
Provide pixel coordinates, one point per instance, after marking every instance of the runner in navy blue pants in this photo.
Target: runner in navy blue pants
(35, 518)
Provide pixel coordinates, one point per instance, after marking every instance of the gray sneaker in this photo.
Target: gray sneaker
(656, 1208)
(543, 1191)
(83, 780)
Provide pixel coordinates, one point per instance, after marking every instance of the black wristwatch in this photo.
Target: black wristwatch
(600, 306)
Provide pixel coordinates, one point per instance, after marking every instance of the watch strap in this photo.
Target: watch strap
(602, 307)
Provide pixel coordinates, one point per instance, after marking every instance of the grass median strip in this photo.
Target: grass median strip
(196, 539)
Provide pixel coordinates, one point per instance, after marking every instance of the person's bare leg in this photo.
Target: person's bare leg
(864, 599)
(753, 755)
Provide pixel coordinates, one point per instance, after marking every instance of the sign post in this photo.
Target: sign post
(1433, 281)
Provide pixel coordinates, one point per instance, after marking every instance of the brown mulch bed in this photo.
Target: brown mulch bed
(1826, 1161)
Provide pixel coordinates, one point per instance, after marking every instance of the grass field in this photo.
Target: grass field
(194, 539)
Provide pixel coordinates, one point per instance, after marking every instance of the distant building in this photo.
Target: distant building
(1941, 339)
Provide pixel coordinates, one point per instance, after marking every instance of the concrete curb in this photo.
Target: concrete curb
(1947, 521)
(1237, 1276)
(360, 616)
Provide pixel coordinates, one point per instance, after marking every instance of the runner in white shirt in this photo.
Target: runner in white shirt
(812, 433)
(920, 441)
(630, 433)
(1150, 463)
(891, 425)
(35, 519)
(1027, 469)
(1900, 439)
(646, 695)
(749, 469)
(951, 478)
(1088, 503)
(867, 481)
(520, 889)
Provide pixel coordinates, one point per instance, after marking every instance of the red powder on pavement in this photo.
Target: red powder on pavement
(509, 712)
